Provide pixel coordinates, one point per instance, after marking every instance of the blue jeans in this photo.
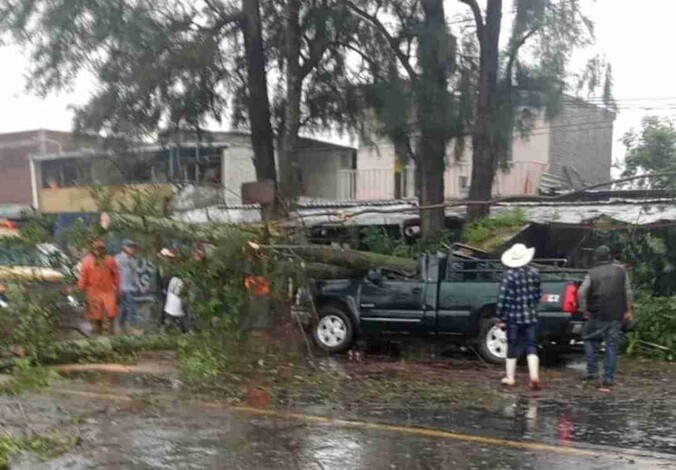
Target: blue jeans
(520, 337)
(128, 310)
(595, 332)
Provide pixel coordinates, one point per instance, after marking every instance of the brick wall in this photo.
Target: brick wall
(15, 151)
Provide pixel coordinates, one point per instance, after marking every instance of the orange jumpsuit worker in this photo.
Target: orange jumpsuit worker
(99, 280)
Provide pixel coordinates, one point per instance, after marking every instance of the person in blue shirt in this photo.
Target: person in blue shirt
(518, 300)
(129, 286)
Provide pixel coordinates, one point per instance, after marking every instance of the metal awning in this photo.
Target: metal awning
(636, 212)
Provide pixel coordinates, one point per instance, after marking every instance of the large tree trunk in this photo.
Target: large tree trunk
(350, 259)
(290, 183)
(483, 140)
(262, 137)
(210, 233)
(433, 147)
(217, 233)
(432, 95)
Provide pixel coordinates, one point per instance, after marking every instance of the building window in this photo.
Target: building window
(464, 182)
(63, 173)
(203, 172)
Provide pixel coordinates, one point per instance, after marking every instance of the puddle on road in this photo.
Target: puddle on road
(635, 424)
(190, 437)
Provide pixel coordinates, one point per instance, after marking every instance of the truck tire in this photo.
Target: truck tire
(492, 342)
(334, 331)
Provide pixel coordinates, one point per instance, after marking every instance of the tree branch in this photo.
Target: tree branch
(393, 43)
(224, 18)
(478, 17)
(514, 52)
(368, 59)
(317, 48)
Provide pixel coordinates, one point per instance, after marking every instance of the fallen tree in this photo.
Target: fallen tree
(322, 261)
(210, 232)
(93, 350)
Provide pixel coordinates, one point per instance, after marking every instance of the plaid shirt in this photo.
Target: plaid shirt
(519, 296)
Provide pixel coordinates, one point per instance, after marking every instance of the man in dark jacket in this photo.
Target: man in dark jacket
(606, 299)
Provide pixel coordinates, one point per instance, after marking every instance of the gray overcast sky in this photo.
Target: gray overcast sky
(634, 37)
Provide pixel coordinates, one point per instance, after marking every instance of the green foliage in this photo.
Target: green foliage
(39, 229)
(655, 334)
(377, 240)
(485, 233)
(75, 236)
(148, 202)
(651, 256)
(29, 321)
(214, 285)
(173, 65)
(43, 446)
(26, 377)
(652, 149)
(204, 356)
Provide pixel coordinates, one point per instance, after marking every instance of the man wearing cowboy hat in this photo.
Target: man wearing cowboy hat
(517, 309)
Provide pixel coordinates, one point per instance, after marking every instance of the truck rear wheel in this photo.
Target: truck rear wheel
(334, 332)
(492, 342)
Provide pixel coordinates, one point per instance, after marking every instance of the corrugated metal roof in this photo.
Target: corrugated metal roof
(637, 212)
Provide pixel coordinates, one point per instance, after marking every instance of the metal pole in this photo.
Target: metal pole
(34, 185)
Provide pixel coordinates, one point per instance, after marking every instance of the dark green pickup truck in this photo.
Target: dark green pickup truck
(450, 299)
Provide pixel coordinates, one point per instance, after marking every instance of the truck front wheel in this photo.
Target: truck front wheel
(492, 342)
(334, 331)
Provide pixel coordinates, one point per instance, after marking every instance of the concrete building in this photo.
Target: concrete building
(62, 182)
(574, 147)
(15, 169)
(319, 165)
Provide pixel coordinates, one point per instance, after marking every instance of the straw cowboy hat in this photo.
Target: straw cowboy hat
(518, 256)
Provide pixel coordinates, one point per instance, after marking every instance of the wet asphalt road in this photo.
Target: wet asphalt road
(129, 433)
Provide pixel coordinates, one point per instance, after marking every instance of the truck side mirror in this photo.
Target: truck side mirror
(375, 276)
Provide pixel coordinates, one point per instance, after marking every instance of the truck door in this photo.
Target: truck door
(465, 285)
(392, 304)
(454, 307)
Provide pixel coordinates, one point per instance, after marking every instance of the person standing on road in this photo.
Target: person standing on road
(519, 297)
(99, 280)
(606, 299)
(129, 286)
(172, 301)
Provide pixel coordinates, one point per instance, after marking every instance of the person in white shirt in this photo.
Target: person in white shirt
(173, 306)
(173, 310)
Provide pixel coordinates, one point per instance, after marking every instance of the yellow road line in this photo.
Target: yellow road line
(410, 430)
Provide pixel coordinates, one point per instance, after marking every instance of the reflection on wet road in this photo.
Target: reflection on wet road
(632, 424)
(200, 435)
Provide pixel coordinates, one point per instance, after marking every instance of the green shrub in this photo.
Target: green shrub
(655, 333)
(43, 446)
(205, 355)
(30, 320)
(480, 232)
(26, 376)
(378, 240)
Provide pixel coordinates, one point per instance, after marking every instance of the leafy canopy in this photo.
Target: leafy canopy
(652, 149)
(168, 65)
